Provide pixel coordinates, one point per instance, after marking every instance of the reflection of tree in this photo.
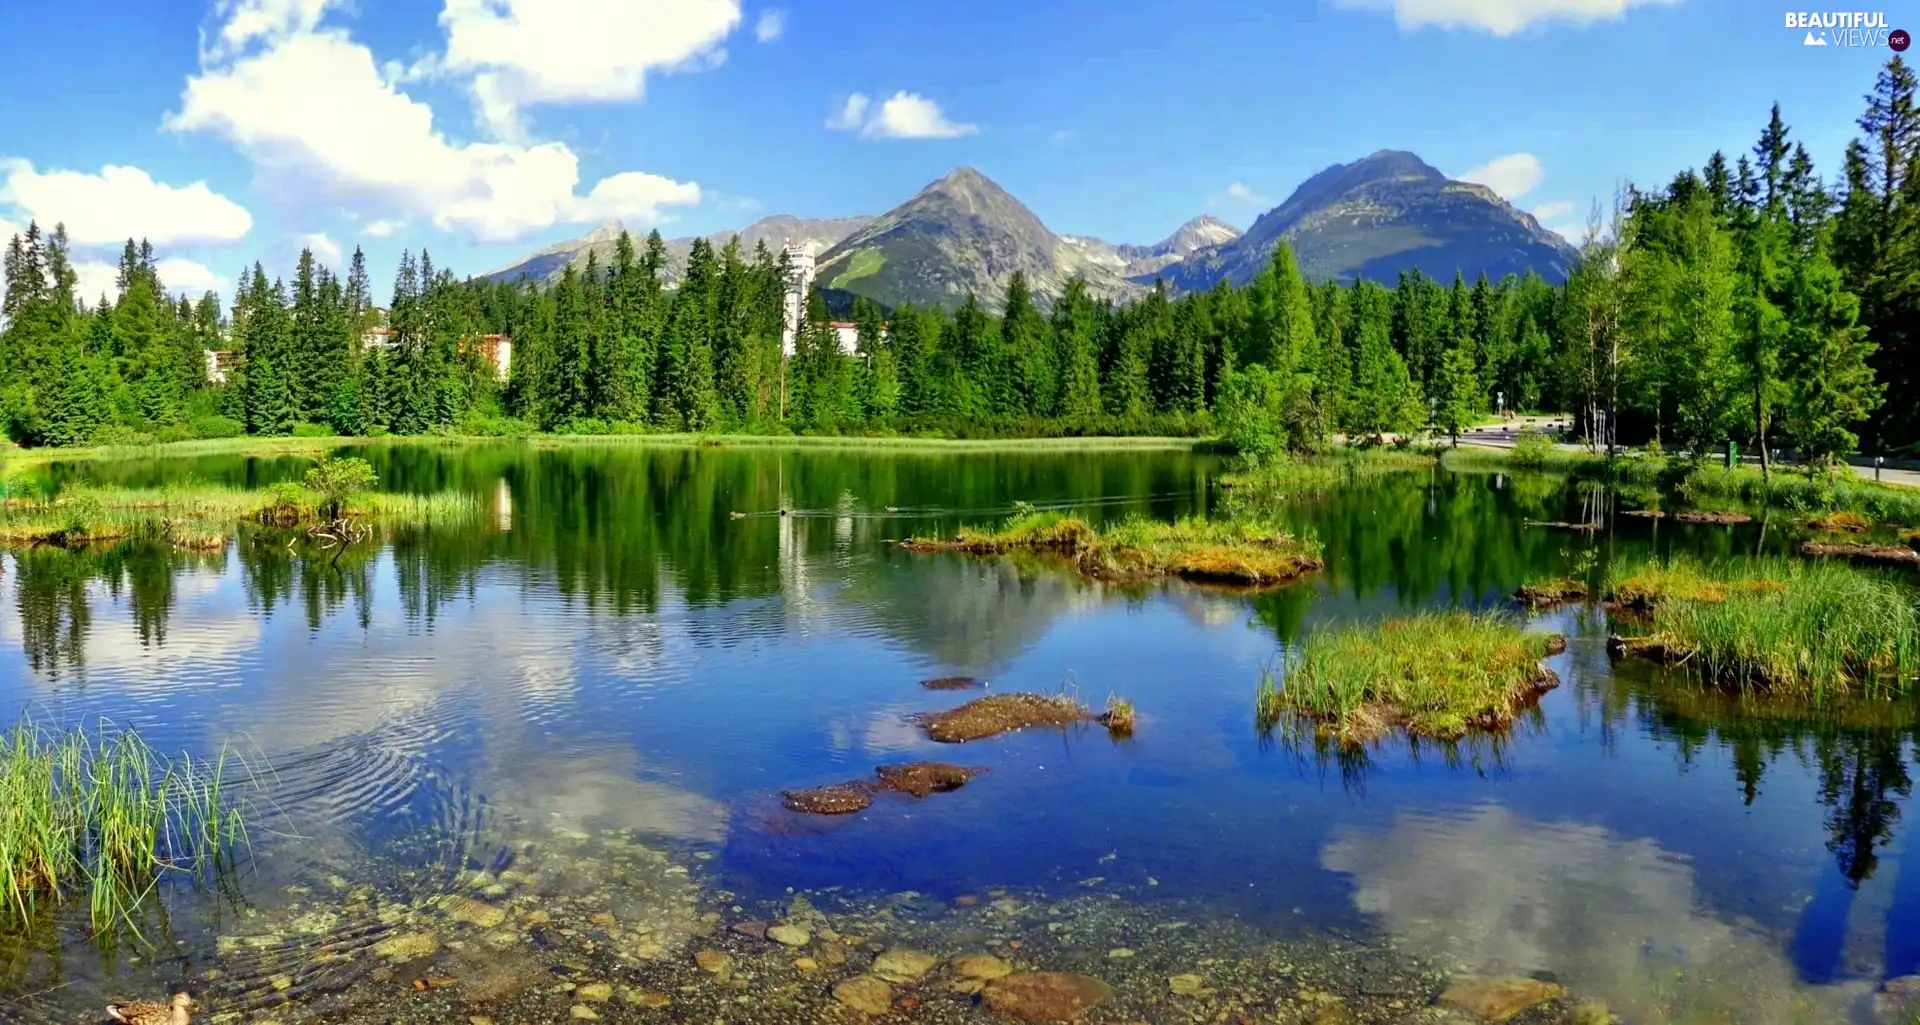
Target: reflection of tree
(1858, 747)
(1858, 773)
(54, 616)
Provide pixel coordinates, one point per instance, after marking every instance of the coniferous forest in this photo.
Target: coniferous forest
(1751, 299)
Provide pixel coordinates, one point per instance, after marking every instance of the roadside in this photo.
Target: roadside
(1505, 435)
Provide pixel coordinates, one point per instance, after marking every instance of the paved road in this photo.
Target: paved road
(1504, 436)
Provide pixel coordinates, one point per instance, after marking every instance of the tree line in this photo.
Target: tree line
(1747, 300)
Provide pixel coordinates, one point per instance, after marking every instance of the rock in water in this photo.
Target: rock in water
(1498, 999)
(923, 778)
(1044, 996)
(838, 799)
(790, 935)
(900, 965)
(982, 966)
(866, 994)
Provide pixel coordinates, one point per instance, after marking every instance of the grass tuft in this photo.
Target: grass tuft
(1435, 674)
(1807, 629)
(1237, 552)
(194, 516)
(1118, 717)
(104, 816)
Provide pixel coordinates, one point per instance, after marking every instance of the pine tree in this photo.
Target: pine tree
(686, 396)
(1076, 333)
(1456, 393)
(912, 354)
(1032, 381)
(266, 341)
(1876, 244)
(880, 397)
(1826, 356)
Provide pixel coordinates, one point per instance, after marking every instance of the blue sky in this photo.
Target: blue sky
(481, 129)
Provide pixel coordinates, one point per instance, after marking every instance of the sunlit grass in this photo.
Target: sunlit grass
(103, 816)
(1435, 674)
(1805, 628)
(1325, 472)
(200, 516)
(1231, 551)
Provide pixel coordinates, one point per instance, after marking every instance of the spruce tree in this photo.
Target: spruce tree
(1076, 333)
(1032, 379)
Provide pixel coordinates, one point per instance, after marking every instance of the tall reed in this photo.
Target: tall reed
(1436, 674)
(1810, 628)
(105, 816)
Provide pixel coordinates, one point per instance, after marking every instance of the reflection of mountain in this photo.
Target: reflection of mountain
(1611, 916)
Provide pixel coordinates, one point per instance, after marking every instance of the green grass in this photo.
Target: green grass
(1434, 674)
(104, 817)
(864, 264)
(202, 516)
(1806, 629)
(1883, 503)
(1238, 552)
(1326, 472)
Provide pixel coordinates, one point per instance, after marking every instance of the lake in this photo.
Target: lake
(498, 764)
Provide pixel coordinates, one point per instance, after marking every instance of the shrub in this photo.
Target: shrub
(337, 480)
(1532, 450)
(312, 430)
(218, 427)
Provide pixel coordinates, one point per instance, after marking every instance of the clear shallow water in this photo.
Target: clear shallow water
(608, 648)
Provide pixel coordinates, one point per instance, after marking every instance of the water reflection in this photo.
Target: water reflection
(611, 648)
(1619, 916)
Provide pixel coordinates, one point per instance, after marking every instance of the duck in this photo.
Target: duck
(176, 1012)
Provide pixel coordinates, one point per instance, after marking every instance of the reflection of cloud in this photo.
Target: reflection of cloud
(113, 647)
(588, 791)
(1612, 917)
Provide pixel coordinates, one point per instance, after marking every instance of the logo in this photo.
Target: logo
(1898, 40)
(1845, 29)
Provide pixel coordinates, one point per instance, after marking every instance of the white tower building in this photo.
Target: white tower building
(799, 282)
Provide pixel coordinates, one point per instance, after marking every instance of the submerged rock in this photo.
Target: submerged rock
(407, 946)
(1862, 552)
(1044, 996)
(991, 716)
(900, 965)
(1718, 516)
(788, 935)
(1497, 999)
(866, 994)
(923, 778)
(953, 683)
(985, 967)
(838, 799)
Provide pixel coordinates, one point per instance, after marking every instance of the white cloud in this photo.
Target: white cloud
(771, 26)
(903, 115)
(1552, 211)
(326, 250)
(384, 228)
(1499, 17)
(178, 275)
(105, 209)
(1239, 194)
(182, 275)
(1511, 176)
(851, 114)
(366, 145)
(525, 52)
(8, 230)
(96, 278)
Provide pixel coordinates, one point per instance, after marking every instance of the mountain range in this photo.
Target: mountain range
(964, 234)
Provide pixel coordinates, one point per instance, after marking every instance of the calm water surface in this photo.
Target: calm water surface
(608, 647)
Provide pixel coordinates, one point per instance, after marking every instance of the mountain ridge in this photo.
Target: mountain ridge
(963, 234)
